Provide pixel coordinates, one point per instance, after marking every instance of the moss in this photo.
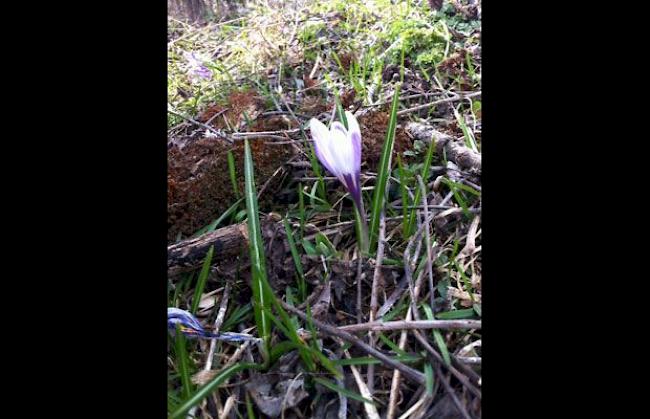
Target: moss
(422, 41)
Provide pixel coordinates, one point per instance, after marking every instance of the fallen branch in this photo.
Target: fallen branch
(188, 254)
(454, 150)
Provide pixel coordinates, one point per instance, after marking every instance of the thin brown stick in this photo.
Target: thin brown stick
(438, 102)
(378, 326)
(394, 385)
(409, 372)
(371, 410)
(227, 407)
(217, 324)
(202, 125)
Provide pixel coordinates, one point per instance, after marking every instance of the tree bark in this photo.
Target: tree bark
(455, 150)
(188, 254)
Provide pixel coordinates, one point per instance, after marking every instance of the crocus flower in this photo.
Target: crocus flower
(191, 327)
(195, 66)
(339, 150)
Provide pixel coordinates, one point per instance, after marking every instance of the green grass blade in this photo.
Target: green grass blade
(249, 407)
(367, 360)
(456, 314)
(340, 111)
(469, 139)
(183, 363)
(207, 389)
(347, 393)
(296, 260)
(256, 247)
(418, 191)
(282, 348)
(465, 279)
(428, 377)
(457, 196)
(405, 197)
(213, 225)
(437, 336)
(383, 171)
(233, 174)
(315, 166)
(390, 344)
(301, 209)
(286, 328)
(203, 278)
(238, 315)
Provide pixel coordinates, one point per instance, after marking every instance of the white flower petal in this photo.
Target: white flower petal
(341, 149)
(322, 139)
(354, 132)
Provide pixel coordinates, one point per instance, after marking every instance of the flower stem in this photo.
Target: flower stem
(364, 241)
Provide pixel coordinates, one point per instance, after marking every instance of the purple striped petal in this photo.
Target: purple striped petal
(353, 186)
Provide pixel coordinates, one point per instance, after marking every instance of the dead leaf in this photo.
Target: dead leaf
(272, 399)
(464, 297)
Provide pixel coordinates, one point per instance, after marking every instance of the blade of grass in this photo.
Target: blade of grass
(418, 193)
(290, 333)
(383, 171)
(437, 336)
(327, 363)
(213, 225)
(256, 247)
(340, 111)
(203, 278)
(457, 195)
(315, 166)
(179, 287)
(207, 389)
(347, 393)
(367, 360)
(296, 260)
(466, 281)
(249, 407)
(390, 344)
(233, 175)
(282, 348)
(428, 377)
(405, 197)
(469, 139)
(236, 317)
(301, 209)
(456, 314)
(183, 363)
(303, 349)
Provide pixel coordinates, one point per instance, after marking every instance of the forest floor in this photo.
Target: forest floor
(392, 333)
